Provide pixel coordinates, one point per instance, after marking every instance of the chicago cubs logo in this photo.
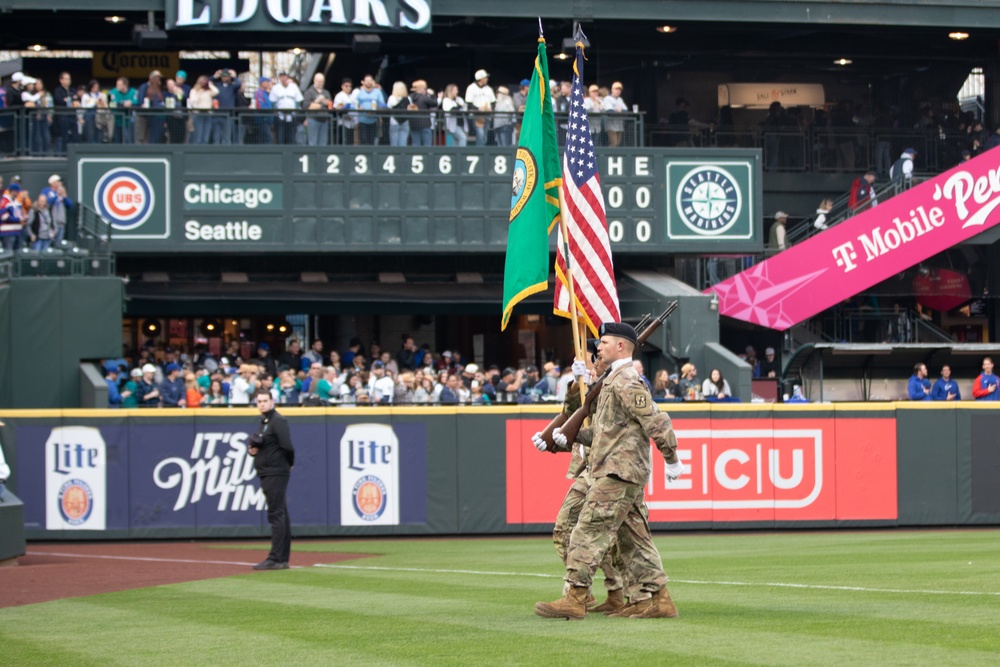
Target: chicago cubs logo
(76, 501)
(369, 497)
(709, 200)
(525, 177)
(125, 197)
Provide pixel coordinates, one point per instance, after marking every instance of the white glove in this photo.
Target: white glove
(559, 438)
(674, 470)
(539, 442)
(579, 367)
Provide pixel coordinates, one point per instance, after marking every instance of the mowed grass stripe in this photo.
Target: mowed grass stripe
(401, 617)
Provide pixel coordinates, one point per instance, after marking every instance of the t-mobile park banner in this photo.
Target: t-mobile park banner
(145, 478)
(865, 250)
(743, 469)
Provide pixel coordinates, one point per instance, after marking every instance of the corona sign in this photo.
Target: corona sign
(132, 195)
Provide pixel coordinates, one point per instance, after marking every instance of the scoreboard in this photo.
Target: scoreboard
(195, 199)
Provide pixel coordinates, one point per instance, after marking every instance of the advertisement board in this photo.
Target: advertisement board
(183, 474)
(736, 470)
(874, 245)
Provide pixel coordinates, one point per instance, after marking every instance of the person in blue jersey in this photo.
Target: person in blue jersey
(945, 389)
(919, 387)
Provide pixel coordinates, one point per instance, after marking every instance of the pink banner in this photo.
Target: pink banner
(863, 251)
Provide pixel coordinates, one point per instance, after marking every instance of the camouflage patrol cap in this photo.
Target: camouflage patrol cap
(620, 329)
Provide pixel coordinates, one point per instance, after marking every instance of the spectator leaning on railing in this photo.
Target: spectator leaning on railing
(286, 97)
(229, 99)
(201, 100)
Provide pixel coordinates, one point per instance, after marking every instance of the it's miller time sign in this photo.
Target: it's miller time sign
(297, 15)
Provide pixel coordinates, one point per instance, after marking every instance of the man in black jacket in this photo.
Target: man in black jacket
(273, 458)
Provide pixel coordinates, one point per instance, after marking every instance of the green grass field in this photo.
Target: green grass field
(838, 598)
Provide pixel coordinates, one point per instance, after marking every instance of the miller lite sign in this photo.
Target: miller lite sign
(369, 476)
(75, 474)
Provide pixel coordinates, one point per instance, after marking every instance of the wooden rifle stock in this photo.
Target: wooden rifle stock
(571, 426)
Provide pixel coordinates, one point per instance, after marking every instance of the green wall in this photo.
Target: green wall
(47, 327)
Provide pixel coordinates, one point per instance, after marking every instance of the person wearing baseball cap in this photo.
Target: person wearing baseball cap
(480, 97)
(625, 421)
(130, 400)
(769, 367)
(172, 390)
(59, 205)
(115, 395)
(147, 393)
(778, 238)
(901, 171)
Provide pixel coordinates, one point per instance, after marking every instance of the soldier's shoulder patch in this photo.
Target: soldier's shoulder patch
(639, 400)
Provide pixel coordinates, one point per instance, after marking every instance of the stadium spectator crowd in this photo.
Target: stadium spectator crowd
(222, 108)
(357, 375)
(33, 224)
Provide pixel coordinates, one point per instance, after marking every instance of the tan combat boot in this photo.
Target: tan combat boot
(632, 609)
(572, 606)
(615, 601)
(662, 606)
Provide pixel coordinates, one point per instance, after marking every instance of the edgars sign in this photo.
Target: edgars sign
(336, 15)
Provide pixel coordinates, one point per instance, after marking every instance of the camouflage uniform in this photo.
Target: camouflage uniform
(569, 512)
(625, 421)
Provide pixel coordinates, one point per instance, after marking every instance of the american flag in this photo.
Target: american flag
(586, 224)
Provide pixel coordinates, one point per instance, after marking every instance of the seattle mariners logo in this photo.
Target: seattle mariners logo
(525, 177)
(709, 200)
(125, 197)
(369, 497)
(76, 501)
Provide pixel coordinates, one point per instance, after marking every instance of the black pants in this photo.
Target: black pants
(277, 515)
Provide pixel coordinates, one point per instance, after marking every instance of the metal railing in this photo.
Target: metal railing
(820, 149)
(86, 253)
(841, 211)
(871, 326)
(49, 132)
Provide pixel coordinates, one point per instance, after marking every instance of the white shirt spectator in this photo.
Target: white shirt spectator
(341, 101)
(382, 390)
(478, 98)
(239, 391)
(286, 97)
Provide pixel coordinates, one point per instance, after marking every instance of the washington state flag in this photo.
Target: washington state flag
(534, 198)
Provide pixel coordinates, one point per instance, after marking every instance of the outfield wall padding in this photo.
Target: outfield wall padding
(134, 474)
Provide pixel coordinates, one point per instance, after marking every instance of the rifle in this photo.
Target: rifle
(648, 326)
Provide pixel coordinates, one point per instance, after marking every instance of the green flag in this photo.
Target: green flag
(534, 201)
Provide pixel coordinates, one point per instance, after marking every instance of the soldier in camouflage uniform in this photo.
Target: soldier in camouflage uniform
(569, 512)
(625, 421)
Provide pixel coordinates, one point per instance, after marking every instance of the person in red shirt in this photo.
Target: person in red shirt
(862, 195)
(984, 387)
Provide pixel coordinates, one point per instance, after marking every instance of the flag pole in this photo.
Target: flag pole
(579, 341)
(578, 345)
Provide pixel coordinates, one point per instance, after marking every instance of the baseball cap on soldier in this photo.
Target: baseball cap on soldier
(619, 329)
